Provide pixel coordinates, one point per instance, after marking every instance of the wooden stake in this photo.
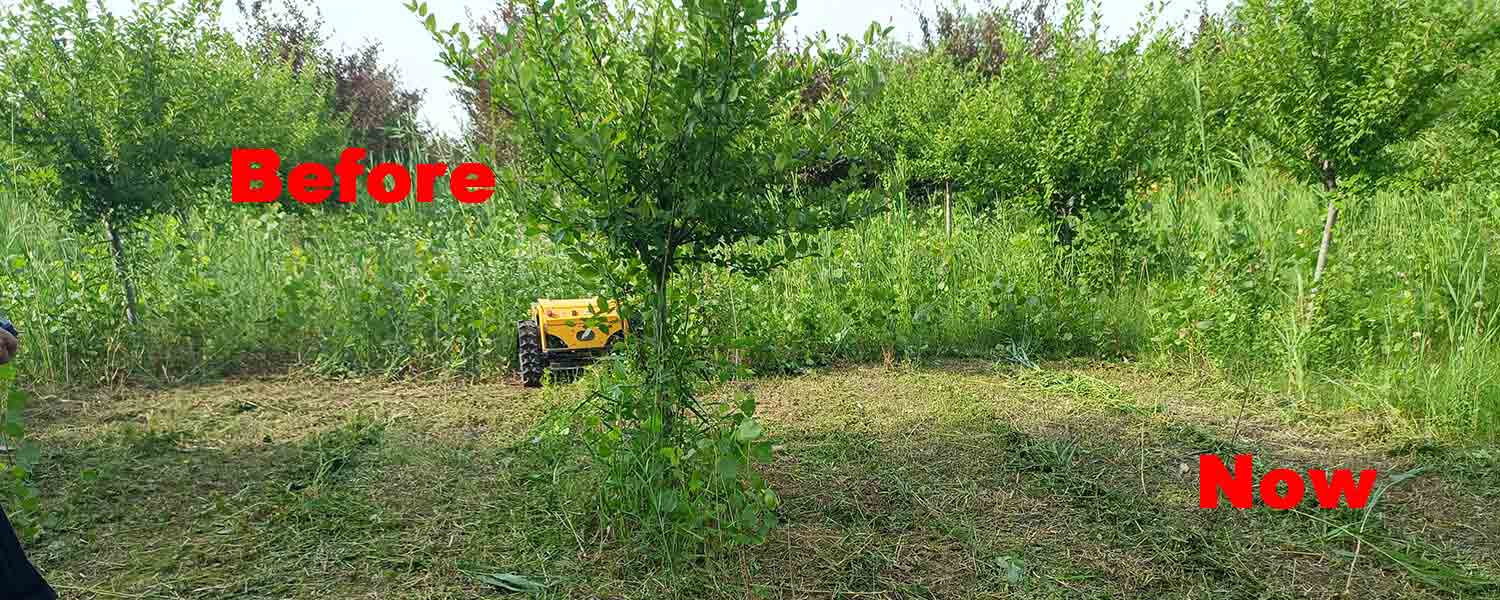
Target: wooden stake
(1330, 184)
(948, 208)
(1333, 216)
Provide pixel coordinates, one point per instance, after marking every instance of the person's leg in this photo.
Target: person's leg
(18, 579)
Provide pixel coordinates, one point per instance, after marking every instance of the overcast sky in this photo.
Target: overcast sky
(406, 43)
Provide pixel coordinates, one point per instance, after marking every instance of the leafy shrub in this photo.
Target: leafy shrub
(703, 497)
(16, 487)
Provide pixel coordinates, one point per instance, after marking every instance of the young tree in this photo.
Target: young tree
(655, 135)
(137, 114)
(1332, 84)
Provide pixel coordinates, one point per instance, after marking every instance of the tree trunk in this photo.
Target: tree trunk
(1330, 184)
(664, 402)
(118, 248)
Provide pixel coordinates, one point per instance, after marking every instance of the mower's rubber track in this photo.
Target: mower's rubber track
(532, 361)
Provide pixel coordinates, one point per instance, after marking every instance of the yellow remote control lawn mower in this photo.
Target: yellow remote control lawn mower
(565, 335)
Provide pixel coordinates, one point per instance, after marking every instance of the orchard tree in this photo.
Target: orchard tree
(658, 135)
(137, 114)
(1332, 84)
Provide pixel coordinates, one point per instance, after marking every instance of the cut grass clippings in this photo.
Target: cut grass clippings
(951, 481)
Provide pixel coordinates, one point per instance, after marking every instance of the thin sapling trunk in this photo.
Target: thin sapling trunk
(117, 248)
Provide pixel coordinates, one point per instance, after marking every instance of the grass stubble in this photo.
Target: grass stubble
(954, 480)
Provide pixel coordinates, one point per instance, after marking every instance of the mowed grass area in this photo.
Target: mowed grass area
(960, 480)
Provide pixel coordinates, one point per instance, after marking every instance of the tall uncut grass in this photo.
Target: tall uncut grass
(1214, 272)
(361, 288)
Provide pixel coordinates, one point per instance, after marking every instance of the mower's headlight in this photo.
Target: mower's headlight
(586, 335)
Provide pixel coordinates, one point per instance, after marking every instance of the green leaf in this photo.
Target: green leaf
(746, 403)
(770, 499)
(15, 401)
(761, 451)
(728, 466)
(670, 454)
(1013, 569)
(666, 500)
(509, 582)
(28, 454)
(749, 430)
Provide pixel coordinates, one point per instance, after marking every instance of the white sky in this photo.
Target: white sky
(407, 44)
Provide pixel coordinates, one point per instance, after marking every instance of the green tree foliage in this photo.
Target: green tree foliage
(655, 136)
(137, 114)
(1331, 84)
(1464, 145)
(910, 131)
(1017, 106)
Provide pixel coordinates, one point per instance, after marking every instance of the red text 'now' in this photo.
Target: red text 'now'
(1214, 477)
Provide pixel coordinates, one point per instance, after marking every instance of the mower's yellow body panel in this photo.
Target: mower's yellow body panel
(567, 324)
